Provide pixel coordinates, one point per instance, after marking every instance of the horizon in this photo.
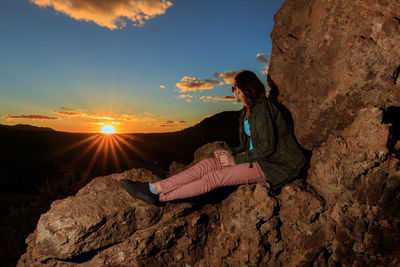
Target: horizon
(116, 133)
(139, 67)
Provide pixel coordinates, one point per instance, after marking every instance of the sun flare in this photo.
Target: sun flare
(108, 129)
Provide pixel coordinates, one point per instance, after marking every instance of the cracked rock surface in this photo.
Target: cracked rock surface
(332, 57)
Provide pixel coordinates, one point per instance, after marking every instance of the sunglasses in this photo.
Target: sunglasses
(233, 89)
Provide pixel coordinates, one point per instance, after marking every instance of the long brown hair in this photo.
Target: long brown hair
(252, 88)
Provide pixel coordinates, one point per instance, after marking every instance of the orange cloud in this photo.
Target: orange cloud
(194, 84)
(68, 109)
(93, 118)
(29, 117)
(222, 98)
(70, 112)
(106, 13)
(184, 96)
(265, 71)
(67, 113)
(171, 123)
(118, 119)
(227, 76)
(114, 119)
(217, 98)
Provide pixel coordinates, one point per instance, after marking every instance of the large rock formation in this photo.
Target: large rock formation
(331, 58)
(335, 65)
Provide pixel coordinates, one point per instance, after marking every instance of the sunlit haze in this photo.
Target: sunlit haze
(108, 129)
(161, 66)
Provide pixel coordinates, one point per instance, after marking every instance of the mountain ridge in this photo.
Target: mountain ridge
(25, 127)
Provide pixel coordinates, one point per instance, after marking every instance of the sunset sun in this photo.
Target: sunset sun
(108, 129)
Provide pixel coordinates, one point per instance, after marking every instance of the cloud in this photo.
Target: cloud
(170, 123)
(95, 118)
(184, 96)
(118, 119)
(265, 71)
(68, 109)
(29, 117)
(162, 86)
(113, 14)
(222, 98)
(262, 58)
(194, 84)
(67, 113)
(114, 119)
(227, 76)
(207, 98)
(217, 98)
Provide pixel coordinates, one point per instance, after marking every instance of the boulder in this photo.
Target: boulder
(331, 58)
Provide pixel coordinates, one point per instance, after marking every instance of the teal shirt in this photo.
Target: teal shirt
(247, 131)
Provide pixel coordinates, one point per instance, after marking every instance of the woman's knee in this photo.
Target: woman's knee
(214, 179)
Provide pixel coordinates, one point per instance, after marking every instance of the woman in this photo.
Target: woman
(268, 151)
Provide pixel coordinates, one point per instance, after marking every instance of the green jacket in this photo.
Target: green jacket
(274, 146)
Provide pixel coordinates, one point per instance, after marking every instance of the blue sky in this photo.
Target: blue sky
(65, 64)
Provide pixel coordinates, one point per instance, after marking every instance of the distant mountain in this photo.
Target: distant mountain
(223, 120)
(25, 127)
(180, 145)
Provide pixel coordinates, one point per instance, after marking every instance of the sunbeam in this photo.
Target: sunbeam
(114, 154)
(102, 153)
(74, 145)
(134, 149)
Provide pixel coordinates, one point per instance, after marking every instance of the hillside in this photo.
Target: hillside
(24, 127)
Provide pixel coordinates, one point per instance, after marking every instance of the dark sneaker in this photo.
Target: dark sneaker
(141, 191)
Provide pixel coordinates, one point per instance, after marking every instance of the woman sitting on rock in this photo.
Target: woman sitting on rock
(268, 151)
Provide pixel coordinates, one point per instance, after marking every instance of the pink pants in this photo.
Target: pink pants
(207, 175)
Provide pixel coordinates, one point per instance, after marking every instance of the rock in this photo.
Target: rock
(331, 58)
(303, 230)
(99, 215)
(245, 224)
(335, 66)
(176, 167)
(340, 165)
(207, 151)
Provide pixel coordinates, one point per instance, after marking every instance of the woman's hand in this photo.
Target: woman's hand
(225, 157)
(227, 160)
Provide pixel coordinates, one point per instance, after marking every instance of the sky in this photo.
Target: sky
(137, 65)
